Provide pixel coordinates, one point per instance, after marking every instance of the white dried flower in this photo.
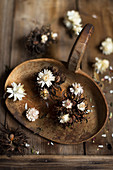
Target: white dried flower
(17, 91)
(107, 46)
(27, 145)
(77, 89)
(54, 36)
(44, 38)
(64, 119)
(77, 29)
(101, 65)
(81, 106)
(73, 21)
(45, 78)
(67, 103)
(74, 17)
(32, 114)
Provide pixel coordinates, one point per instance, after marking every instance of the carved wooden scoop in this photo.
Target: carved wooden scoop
(45, 127)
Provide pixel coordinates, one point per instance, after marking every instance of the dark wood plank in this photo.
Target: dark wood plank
(49, 162)
(28, 15)
(6, 20)
(103, 25)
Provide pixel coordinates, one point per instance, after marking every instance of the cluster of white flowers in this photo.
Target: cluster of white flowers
(45, 77)
(16, 91)
(107, 46)
(32, 114)
(76, 88)
(44, 37)
(73, 21)
(101, 66)
(64, 118)
(67, 103)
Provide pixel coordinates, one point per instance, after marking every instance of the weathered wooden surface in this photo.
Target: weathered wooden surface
(19, 17)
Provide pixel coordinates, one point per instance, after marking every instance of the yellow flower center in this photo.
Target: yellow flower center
(45, 77)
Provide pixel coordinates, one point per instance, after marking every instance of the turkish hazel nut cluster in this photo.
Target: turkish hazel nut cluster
(73, 106)
(48, 81)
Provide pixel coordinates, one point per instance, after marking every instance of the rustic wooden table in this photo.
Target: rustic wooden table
(17, 19)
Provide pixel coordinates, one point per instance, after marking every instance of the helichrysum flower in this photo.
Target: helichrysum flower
(32, 114)
(44, 38)
(16, 91)
(76, 89)
(101, 65)
(45, 77)
(107, 46)
(64, 118)
(44, 93)
(81, 106)
(73, 21)
(54, 35)
(67, 103)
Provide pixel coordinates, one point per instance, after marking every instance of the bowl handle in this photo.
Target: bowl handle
(79, 47)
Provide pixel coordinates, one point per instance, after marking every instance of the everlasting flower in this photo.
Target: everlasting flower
(54, 36)
(67, 103)
(32, 114)
(107, 46)
(73, 21)
(81, 106)
(17, 91)
(44, 93)
(44, 38)
(76, 88)
(45, 77)
(101, 65)
(64, 119)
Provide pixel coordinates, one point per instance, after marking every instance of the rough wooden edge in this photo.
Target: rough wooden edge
(56, 161)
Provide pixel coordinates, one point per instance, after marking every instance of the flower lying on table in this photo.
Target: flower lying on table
(39, 39)
(107, 46)
(16, 91)
(73, 22)
(48, 81)
(101, 65)
(73, 106)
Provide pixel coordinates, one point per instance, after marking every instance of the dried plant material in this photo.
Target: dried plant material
(48, 82)
(16, 91)
(107, 46)
(32, 114)
(39, 39)
(72, 107)
(12, 141)
(73, 22)
(101, 66)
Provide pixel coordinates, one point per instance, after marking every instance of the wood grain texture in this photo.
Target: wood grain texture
(103, 24)
(6, 24)
(49, 162)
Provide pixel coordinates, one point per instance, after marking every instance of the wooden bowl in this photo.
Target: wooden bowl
(46, 127)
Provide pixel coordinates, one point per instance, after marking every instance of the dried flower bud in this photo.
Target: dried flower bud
(107, 46)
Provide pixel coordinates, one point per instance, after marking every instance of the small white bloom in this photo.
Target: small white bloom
(101, 65)
(37, 152)
(74, 17)
(107, 46)
(32, 114)
(100, 146)
(54, 36)
(26, 106)
(77, 29)
(27, 145)
(77, 89)
(104, 135)
(45, 78)
(64, 119)
(73, 21)
(17, 91)
(81, 106)
(67, 103)
(44, 38)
